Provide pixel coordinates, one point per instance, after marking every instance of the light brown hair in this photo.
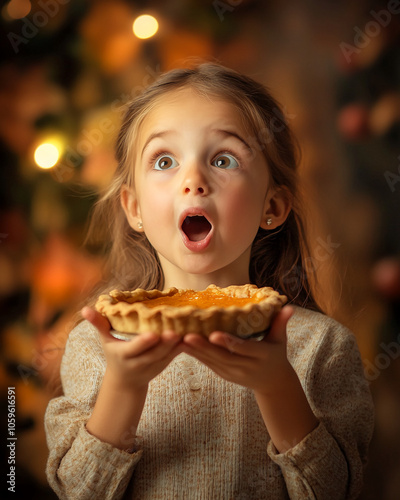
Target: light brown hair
(279, 256)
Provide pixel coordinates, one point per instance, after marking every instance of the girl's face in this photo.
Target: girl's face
(200, 191)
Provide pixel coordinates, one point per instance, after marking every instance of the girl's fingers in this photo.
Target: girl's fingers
(205, 351)
(145, 355)
(235, 344)
(278, 327)
(243, 347)
(97, 320)
(221, 361)
(215, 342)
(168, 356)
(150, 350)
(159, 345)
(139, 343)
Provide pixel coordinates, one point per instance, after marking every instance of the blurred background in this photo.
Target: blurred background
(67, 70)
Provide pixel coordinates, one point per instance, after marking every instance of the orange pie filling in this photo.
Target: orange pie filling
(201, 300)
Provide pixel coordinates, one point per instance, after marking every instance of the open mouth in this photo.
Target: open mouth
(196, 227)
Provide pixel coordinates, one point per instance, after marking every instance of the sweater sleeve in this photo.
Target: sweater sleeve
(80, 466)
(328, 463)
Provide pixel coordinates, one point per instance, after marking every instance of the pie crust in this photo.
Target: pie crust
(243, 311)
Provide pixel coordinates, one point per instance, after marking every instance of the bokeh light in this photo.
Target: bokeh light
(17, 9)
(46, 155)
(145, 26)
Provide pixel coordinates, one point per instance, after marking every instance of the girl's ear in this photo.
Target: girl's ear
(276, 208)
(131, 208)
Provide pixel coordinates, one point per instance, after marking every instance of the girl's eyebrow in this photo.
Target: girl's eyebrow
(225, 133)
(231, 133)
(155, 135)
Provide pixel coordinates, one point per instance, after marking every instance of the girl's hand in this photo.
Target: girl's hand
(134, 363)
(262, 366)
(130, 367)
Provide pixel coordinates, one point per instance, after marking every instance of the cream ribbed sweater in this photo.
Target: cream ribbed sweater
(204, 438)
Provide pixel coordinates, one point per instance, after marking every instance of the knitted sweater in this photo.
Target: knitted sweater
(204, 438)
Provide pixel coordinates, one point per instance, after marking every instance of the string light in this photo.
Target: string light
(145, 26)
(46, 155)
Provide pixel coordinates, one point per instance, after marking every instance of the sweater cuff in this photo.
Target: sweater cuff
(102, 467)
(316, 447)
(312, 460)
(307, 450)
(115, 455)
(135, 448)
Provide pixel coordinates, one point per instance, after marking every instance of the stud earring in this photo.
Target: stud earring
(140, 225)
(269, 222)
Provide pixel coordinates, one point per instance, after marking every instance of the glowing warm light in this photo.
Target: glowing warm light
(46, 155)
(145, 26)
(17, 9)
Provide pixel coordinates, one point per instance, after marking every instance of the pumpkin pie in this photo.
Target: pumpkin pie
(244, 311)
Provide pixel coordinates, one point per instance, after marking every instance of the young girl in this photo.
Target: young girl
(160, 417)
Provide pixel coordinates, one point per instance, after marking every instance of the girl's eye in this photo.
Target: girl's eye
(225, 161)
(165, 163)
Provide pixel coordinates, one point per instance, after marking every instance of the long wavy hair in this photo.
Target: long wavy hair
(279, 256)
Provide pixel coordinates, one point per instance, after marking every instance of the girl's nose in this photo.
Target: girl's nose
(196, 183)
